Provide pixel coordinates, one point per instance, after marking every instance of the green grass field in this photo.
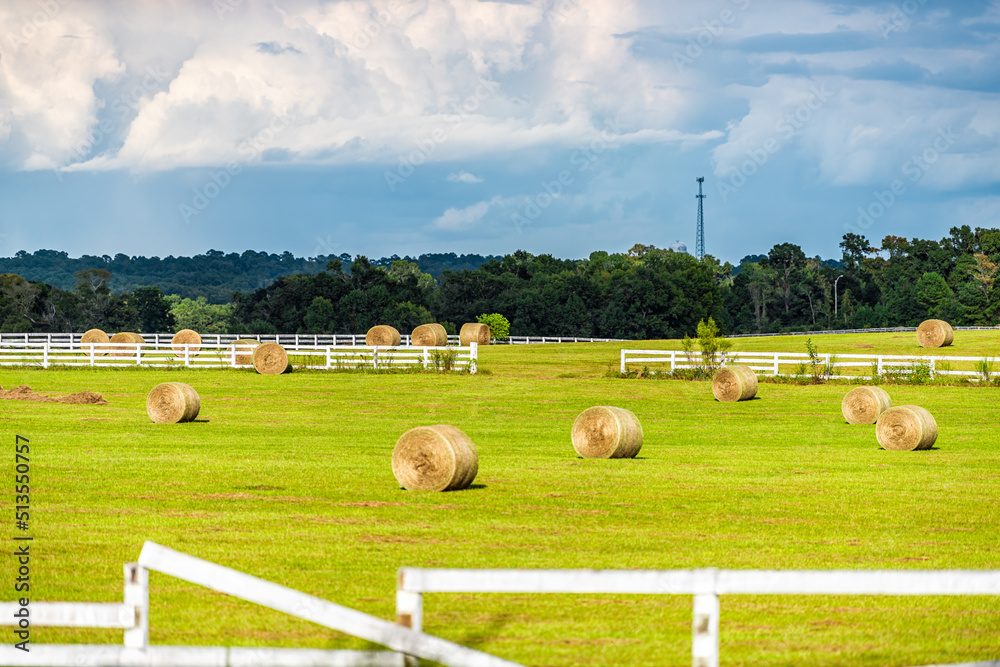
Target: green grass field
(288, 478)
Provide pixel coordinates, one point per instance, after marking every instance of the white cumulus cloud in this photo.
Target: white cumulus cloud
(457, 219)
(464, 177)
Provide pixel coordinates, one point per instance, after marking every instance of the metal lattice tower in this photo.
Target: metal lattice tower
(699, 242)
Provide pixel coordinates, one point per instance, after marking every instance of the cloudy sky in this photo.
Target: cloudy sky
(555, 126)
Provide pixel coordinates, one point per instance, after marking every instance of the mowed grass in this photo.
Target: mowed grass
(288, 478)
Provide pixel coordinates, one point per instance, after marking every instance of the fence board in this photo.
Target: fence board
(311, 608)
(91, 655)
(73, 614)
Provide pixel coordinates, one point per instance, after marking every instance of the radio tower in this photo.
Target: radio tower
(699, 243)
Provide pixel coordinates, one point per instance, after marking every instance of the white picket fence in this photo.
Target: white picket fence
(133, 617)
(829, 366)
(214, 355)
(706, 585)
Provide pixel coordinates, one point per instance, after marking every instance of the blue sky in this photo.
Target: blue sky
(554, 126)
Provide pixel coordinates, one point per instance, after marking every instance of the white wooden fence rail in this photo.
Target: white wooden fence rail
(225, 355)
(290, 339)
(706, 585)
(828, 364)
(133, 615)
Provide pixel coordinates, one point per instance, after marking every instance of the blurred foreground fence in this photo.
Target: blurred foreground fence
(827, 366)
(706, 585)
(405, 638)
(133, 617)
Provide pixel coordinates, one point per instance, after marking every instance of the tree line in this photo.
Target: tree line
(644, 293)
(214, 275)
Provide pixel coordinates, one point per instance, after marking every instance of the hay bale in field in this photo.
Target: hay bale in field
(474, 332)
(606, 432)
(734, 383)
(94, 336)
(172, 403)
(186, 336)
(906, 428)
(863, 405)
(128, 341)
(243, 349)
(383, 335)
(270, 359)
(429, 335)
(935, 333)
(434, 458)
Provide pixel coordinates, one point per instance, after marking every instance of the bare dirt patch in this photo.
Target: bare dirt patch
(26, 393)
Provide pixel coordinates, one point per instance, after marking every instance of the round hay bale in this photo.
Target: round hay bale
(863, 405)
(429, 335)
(243, 349)
(128, 341)
(474, 332)
(734, 383)
(434, 458)
(606, 432)
(383, 335)
(906, 428)
(172, 403)
(186, 336)
(935, 333)
(94, 336)
(270, 359)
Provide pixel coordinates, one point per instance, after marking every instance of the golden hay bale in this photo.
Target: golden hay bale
(935, 333)
(734, 383)
(172, 403)
(434, 458)
(383, 335)
(906, 428)
(429, 335)
(606, 432)
(474, 332)
(128, 340)
(270, 359)
(94, 336)
(243, 349)
(186, 336)
(863, 405)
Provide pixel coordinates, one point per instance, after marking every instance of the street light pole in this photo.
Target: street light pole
(835, 294)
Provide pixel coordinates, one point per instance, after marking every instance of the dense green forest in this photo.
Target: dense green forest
(214, 275)
(645, 293)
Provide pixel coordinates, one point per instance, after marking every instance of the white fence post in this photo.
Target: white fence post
(705, 629)
(187, 354)
(45, 353)
(775, 364)
(410, 614)
(623, 362)
(137, 595)
(473, 356)
(426, 357)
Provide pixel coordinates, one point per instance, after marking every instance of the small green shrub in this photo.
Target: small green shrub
(498, 324)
